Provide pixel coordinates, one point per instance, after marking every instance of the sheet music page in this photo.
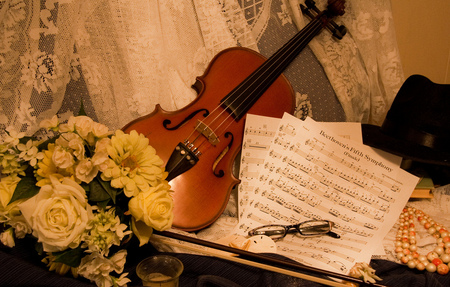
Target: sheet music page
(258, 135)
(311, 173)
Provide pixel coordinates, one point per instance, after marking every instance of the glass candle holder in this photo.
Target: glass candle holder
(160, 271)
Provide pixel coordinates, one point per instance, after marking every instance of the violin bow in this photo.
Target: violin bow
(262, 260)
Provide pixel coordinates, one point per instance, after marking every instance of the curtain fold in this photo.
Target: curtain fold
(121, 58)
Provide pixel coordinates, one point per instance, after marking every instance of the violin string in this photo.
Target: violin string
(310, 31)
(273, 70)
(291, 48)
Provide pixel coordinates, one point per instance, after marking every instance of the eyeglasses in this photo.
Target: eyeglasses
(307, 228)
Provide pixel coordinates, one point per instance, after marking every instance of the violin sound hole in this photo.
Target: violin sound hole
(167, 122)
(221, 173)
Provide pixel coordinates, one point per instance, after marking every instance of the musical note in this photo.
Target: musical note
(302, 177)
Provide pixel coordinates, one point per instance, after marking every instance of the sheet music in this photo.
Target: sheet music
(310, 173)
(258, 134)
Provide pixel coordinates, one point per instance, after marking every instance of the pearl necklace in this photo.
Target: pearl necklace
(406, 246)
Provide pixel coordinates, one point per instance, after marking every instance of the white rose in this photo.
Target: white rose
(58, 214)
(86, 170)
(153, 207)
(62, 158)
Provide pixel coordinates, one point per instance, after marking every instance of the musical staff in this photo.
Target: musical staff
(301, 172)
(381, 180)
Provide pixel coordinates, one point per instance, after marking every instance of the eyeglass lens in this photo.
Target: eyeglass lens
(273, 231)
(310, 228)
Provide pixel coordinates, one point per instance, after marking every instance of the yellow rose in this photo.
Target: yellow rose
(153, 207)
(58, 214)
(7, 186)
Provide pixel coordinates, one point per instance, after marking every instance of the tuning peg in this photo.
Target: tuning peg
(338, 31)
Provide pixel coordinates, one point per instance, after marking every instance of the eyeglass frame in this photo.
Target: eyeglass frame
(287, 228)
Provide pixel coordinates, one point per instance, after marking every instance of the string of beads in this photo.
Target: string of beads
(406, 248)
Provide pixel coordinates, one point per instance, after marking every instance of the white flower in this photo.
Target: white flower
(21, 227)
(29, 152)
(103, 231)
(121, 281)
(62, 158)
(7, 238)
(100, 130)
(58, 214)
(12, 138)
(72, 143)
(100, 158)
(86, 170)
(97, 268)
(51, 124)
(83, 125)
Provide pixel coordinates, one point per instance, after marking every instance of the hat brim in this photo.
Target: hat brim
(374, 137)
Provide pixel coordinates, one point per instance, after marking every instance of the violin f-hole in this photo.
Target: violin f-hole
(167, 122)
(221, 173)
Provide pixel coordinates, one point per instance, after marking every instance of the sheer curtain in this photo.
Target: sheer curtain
(121, 58)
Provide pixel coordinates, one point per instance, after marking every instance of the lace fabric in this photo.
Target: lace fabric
(122, 58)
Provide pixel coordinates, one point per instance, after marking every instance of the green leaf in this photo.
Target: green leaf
(96, 191)
(44, 145)
(100, 190)
(26, 188)
(82, 112)
(25, 139)
(71, 257)
(103, 204)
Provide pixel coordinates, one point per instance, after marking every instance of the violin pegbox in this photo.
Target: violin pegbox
(334, 8)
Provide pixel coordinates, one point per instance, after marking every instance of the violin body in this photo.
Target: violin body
(201, 193)
(200, 142)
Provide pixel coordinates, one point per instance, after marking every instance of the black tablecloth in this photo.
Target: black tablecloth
(21, 266)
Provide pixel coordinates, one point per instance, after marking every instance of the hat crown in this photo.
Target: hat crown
(420, 113)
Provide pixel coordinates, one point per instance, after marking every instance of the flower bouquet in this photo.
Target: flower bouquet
(82, 193)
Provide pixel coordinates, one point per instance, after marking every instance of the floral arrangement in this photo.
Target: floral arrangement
(82, 194)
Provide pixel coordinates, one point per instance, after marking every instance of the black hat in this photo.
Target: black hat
(417, 126)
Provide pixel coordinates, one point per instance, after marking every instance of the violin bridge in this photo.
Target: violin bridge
(206, 131)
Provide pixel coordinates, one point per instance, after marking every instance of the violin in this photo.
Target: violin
(200, 142)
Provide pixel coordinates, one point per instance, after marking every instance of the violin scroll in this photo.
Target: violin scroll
(336, 7)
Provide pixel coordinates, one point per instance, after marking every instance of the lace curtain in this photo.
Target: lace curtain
(121, 58)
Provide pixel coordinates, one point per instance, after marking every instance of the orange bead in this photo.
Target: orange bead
(437, 261)
(442, 269)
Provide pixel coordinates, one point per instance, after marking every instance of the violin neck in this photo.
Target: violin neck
(242, 98)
